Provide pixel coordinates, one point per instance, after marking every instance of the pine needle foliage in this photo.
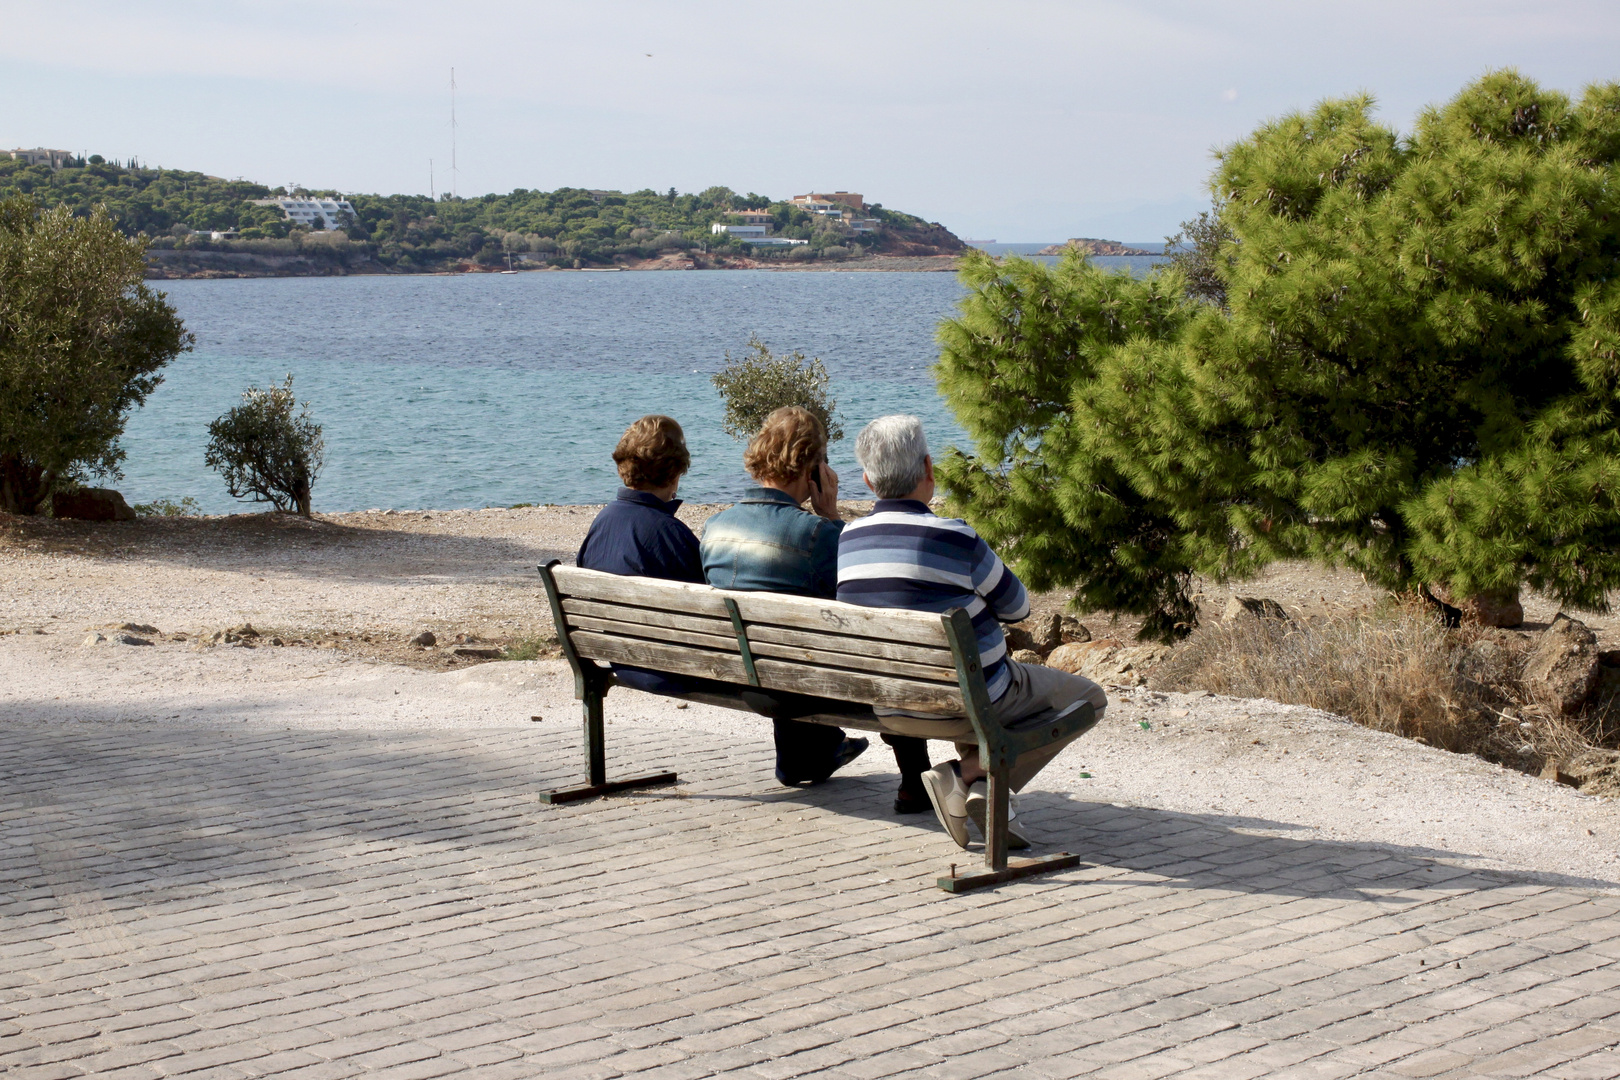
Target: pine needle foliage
(758, 383)
(265, 451)
(1404, 358)
(81, 343)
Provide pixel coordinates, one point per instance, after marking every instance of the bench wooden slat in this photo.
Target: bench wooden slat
(876, 664)
(628, 613)
(799, 612)
(614, 628)
(728, 644)
(853, 646)
(884, 692)
(759, 634)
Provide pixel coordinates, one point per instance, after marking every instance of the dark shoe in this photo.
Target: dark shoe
(912, 798)
(848, 751)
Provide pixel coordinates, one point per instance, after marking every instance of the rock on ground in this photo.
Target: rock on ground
(1563, 668)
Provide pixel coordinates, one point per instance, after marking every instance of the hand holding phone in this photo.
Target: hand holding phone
(824, 491)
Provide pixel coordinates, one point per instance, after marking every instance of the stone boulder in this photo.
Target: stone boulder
(91, 504)
(1071, 630)
(1238, 607)
(1043, 633)
(1564, 667)
(1107, 661)
(1026, 656)
(425, 639)
(1495, 607)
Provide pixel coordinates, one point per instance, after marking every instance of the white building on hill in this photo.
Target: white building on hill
(331, 213)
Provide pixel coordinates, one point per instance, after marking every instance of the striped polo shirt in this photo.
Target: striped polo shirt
(903, 556)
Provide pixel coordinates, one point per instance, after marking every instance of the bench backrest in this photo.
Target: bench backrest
(876, 656)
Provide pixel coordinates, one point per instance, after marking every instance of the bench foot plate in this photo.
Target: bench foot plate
(1016, 868)
(590, 791)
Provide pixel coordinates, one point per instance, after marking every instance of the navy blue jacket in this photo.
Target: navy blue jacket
(638, 535)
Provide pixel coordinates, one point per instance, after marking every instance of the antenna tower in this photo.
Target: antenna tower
(433, 195)
(454, 174)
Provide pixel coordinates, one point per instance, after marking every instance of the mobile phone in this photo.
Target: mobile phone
(815, 475)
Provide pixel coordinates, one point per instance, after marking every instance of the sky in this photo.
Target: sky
(1014, 120)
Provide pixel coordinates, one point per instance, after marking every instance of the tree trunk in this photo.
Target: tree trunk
(303, 498)
(23, 485)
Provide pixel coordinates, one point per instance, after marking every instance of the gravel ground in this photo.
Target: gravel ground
(338, 581)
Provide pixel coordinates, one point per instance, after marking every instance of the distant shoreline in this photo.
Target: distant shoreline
(225, 270)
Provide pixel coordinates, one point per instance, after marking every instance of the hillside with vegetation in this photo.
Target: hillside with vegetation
(569, 227)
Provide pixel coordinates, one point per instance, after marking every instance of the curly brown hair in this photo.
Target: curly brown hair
(790, 443)
(651, 453)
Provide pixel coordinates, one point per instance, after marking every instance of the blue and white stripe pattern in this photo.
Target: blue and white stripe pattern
(903, 556)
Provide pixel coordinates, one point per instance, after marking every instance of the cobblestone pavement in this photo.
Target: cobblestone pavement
(256, 902)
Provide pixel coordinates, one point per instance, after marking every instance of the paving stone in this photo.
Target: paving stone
(322, 904)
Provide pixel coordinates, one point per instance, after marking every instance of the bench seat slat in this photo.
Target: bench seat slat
(798, 612)
(884, 692)
(759, 634)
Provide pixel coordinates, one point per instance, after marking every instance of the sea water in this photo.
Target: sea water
(476, 390)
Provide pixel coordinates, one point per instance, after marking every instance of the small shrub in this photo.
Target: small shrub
(758, 383)
(186, 507)
(265, 452)
(540, 647)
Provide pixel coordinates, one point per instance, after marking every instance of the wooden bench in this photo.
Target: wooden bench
(850, 659)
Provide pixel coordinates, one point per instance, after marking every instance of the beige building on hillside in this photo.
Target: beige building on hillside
(831, 202)
(56, 159)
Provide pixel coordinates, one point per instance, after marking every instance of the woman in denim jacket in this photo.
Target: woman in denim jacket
(767, 543)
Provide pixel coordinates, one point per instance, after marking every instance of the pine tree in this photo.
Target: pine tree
(1413, 374)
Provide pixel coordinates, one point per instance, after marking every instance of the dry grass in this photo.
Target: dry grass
(1396, 668)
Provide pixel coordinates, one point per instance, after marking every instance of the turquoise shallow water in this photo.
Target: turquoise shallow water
(488, 390)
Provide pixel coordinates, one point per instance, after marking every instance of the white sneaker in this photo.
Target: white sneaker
(949, 795)
(977, 806)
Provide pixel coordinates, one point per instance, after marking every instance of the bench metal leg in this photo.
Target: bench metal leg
(595, 736)
(1015, 869)
(591, 683)
(596, 759)
(999, 749)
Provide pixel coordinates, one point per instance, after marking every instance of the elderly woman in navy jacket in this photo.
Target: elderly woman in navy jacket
(638, 534)
(766, 542)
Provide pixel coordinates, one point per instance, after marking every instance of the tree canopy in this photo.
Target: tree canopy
(1401, 355)
(81, 342)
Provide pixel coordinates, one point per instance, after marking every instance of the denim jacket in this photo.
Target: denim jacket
(766, 543)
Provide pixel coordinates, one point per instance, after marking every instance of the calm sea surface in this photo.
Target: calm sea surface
(487, 390)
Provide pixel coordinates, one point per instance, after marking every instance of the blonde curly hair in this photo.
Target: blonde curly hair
(790, 443)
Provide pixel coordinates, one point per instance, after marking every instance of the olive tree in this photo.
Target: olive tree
(758, 383)
(81, 342)
(266, 451)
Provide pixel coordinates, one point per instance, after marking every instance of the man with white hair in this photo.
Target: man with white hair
(903, 556)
